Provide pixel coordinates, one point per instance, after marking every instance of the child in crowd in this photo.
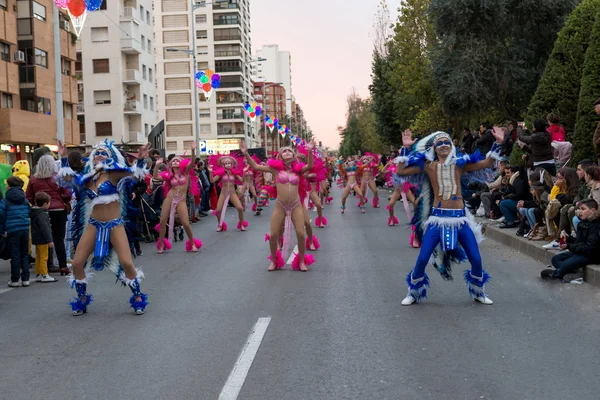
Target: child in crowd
(582, 250)
(14, 225)
(41, 236)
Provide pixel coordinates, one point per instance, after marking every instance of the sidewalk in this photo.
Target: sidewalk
(508, 237)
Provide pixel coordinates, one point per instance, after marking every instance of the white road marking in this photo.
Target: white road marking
(5, 290)
(238, 374)
(294, 252)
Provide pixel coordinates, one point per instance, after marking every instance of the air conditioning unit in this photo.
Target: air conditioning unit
(66, 26)
(19, 57)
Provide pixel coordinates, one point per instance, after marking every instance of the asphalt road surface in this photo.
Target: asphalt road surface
(336, 332)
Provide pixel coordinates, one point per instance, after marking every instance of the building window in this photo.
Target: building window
(43, 105)
(101, 66)
(148, 17)
(6, 100)
(143, 42)
(149, 46)
(68, 110)
(202, 66)
(66, 66)
(150, 75)
(145, 101)
(41, 58)
(200, 19)
(144, 75)
(3, 4)
(204, 113)
(142, 13)
(5, 52)
(102, 97)
(202, 50)
(100, 34)
(39, 11)
(225, 19)
(151, 103)
(201, 35)
(103, 128)
(103, 5)
(146, 129)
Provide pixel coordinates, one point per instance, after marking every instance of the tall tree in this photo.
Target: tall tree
(490, 55)
(559, 87)
(587, 119)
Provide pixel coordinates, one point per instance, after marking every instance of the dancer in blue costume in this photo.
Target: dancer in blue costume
(441, 218)
(100, 230)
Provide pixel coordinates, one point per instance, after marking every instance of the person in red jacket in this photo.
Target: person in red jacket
(555, 130)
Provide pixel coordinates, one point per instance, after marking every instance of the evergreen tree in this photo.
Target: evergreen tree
(587, 120)
(490, 55)
(558, 90)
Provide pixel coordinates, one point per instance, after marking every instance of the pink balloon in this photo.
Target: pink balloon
(61, 3)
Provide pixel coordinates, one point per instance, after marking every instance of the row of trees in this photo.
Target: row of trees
(447, 64)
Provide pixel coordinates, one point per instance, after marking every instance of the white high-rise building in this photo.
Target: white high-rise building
(273, 65)
(116, 73)
(222, 36)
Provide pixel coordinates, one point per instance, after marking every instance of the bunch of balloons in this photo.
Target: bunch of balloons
(207, 81)
(283, 130)
(78, 10)
(252, 111)
(271, 123)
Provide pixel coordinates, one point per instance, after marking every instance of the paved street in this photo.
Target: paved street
(336, 332)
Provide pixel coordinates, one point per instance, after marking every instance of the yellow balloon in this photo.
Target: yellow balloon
(209, 73)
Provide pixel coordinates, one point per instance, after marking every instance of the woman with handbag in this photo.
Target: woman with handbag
(44, 180)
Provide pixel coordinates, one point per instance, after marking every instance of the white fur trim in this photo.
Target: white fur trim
(72, 281)
(457, 223)
(130, 282)
(494, 154)
(66, 171)
(400, 159)
(138, 172)
(105, 199)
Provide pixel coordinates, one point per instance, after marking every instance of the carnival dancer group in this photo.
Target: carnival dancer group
(426, 176)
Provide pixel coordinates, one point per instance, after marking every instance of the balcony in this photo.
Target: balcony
(225, 5)
(236, 128)
(137, 137)
(228, 54)
(133, 107)
(132, 77)
(224, 116)
(222, 38)
(80, 108)
(130, 46)
(129, 14)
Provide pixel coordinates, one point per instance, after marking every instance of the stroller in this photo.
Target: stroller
(150, 220)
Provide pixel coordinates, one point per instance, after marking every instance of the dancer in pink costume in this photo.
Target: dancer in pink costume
(228, 169)
(288, 174)
(312, 242)
(248, 186)
(179, 175)
(350, 174)
(370, 169)
(315, 177)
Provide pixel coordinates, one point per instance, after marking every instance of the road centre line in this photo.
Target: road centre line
(240, 370)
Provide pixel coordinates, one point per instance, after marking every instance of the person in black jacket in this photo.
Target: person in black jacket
(467, 141)
(539, 145)
(486, 140)
(518, 191)
(41, 236)
(582, 250)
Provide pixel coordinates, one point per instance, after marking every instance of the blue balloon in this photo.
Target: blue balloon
(258, 112)
(216, 83)
(92, 5)
(198, 75)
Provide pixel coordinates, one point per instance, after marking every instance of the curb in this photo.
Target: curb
(508, 237)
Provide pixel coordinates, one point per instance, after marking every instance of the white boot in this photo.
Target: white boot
(483, 300)
(408, 300)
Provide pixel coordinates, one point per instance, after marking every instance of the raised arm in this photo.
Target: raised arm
(311, 160)
(193, 159)
(155, 174)
(211, 178)
(138, 170)
(402, 159)
(492, 156)
(251, 162)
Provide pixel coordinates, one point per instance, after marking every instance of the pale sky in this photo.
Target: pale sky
(331, 49)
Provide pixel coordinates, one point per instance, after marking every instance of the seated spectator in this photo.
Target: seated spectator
(518, 191)
(486, 139)
(581, 250)
(486, 197)
(563, 192)
(539, 145)
(592, 181)
(533, 210)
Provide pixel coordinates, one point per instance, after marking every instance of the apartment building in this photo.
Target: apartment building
(274, 65)
(222, 38)
(27, 79)
(273, 97)
(116, 74)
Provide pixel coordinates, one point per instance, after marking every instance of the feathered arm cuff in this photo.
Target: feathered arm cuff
(65, 169)
(494, 152)
(140, 169)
